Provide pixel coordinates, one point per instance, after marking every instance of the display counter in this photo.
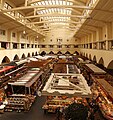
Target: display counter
(104, 90)
(19, 102)
(3, 100)
(31, 78)
(54, 102)
(89, 70)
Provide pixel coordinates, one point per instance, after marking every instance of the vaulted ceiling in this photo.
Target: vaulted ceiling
(80, 16)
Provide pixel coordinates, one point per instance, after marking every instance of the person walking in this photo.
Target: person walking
(58, 113)
(51, 67)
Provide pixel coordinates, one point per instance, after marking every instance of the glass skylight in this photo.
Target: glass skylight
(53, 11)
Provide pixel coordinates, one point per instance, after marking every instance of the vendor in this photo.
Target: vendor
(51, 66)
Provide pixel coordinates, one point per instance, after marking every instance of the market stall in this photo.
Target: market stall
(23, 91)
(70, 84)
(64, 89)
(104, 92)
(90, 70)
(72, 69)
(26, 81)
(3, 100)
(54, 102)
(45, 57)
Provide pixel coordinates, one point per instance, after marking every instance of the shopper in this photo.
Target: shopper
(92, 116)
(51, 67)
(58, 113)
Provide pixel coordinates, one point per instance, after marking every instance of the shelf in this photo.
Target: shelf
(15, 104)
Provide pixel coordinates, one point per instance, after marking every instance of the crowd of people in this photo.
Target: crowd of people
(92, 109)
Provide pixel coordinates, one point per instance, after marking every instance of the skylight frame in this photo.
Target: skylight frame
(55, 10)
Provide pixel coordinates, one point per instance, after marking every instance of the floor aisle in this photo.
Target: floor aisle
(36, 113)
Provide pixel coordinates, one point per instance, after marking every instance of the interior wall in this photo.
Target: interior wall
(11, 53)
(106, 55)
(52, 38)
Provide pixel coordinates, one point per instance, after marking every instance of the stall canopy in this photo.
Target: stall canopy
(95, 69)
(13, 63)
(21, 62)
(6, 68)
(32, 59)
(67, 84)
(106, 86)
(28, 79)
(45, 57)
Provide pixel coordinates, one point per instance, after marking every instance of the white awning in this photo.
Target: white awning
(95, 69)
(59, 85)
(21, 62)
(27, 80)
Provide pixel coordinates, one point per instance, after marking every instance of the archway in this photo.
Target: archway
(51, 53)
(16, 58)
(67, 53)
(94, 59)
(59, 52)
(86, 55)
(43, 53)
(36, 54)
(101, 61)
(90, 57)
(28, 55)
(23, 56)
(110, 65)
(32, 53)
(5, 60)
(82, 54)
(76, 53)
(110, 68)
(101, 64)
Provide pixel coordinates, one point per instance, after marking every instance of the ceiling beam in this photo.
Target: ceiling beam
(73, 1)
(82, 33)
(58, 26)
(73, 10)
(56, 21)
(102, 21)
(54, 15)
(88, 29)
(47, 6)
(94, 27)
(17, 28)
(105, 11)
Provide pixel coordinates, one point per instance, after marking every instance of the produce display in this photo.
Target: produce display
(104, 101)
(19, 102)
(54, 102)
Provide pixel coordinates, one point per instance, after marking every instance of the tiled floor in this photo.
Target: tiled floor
(36, 113)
